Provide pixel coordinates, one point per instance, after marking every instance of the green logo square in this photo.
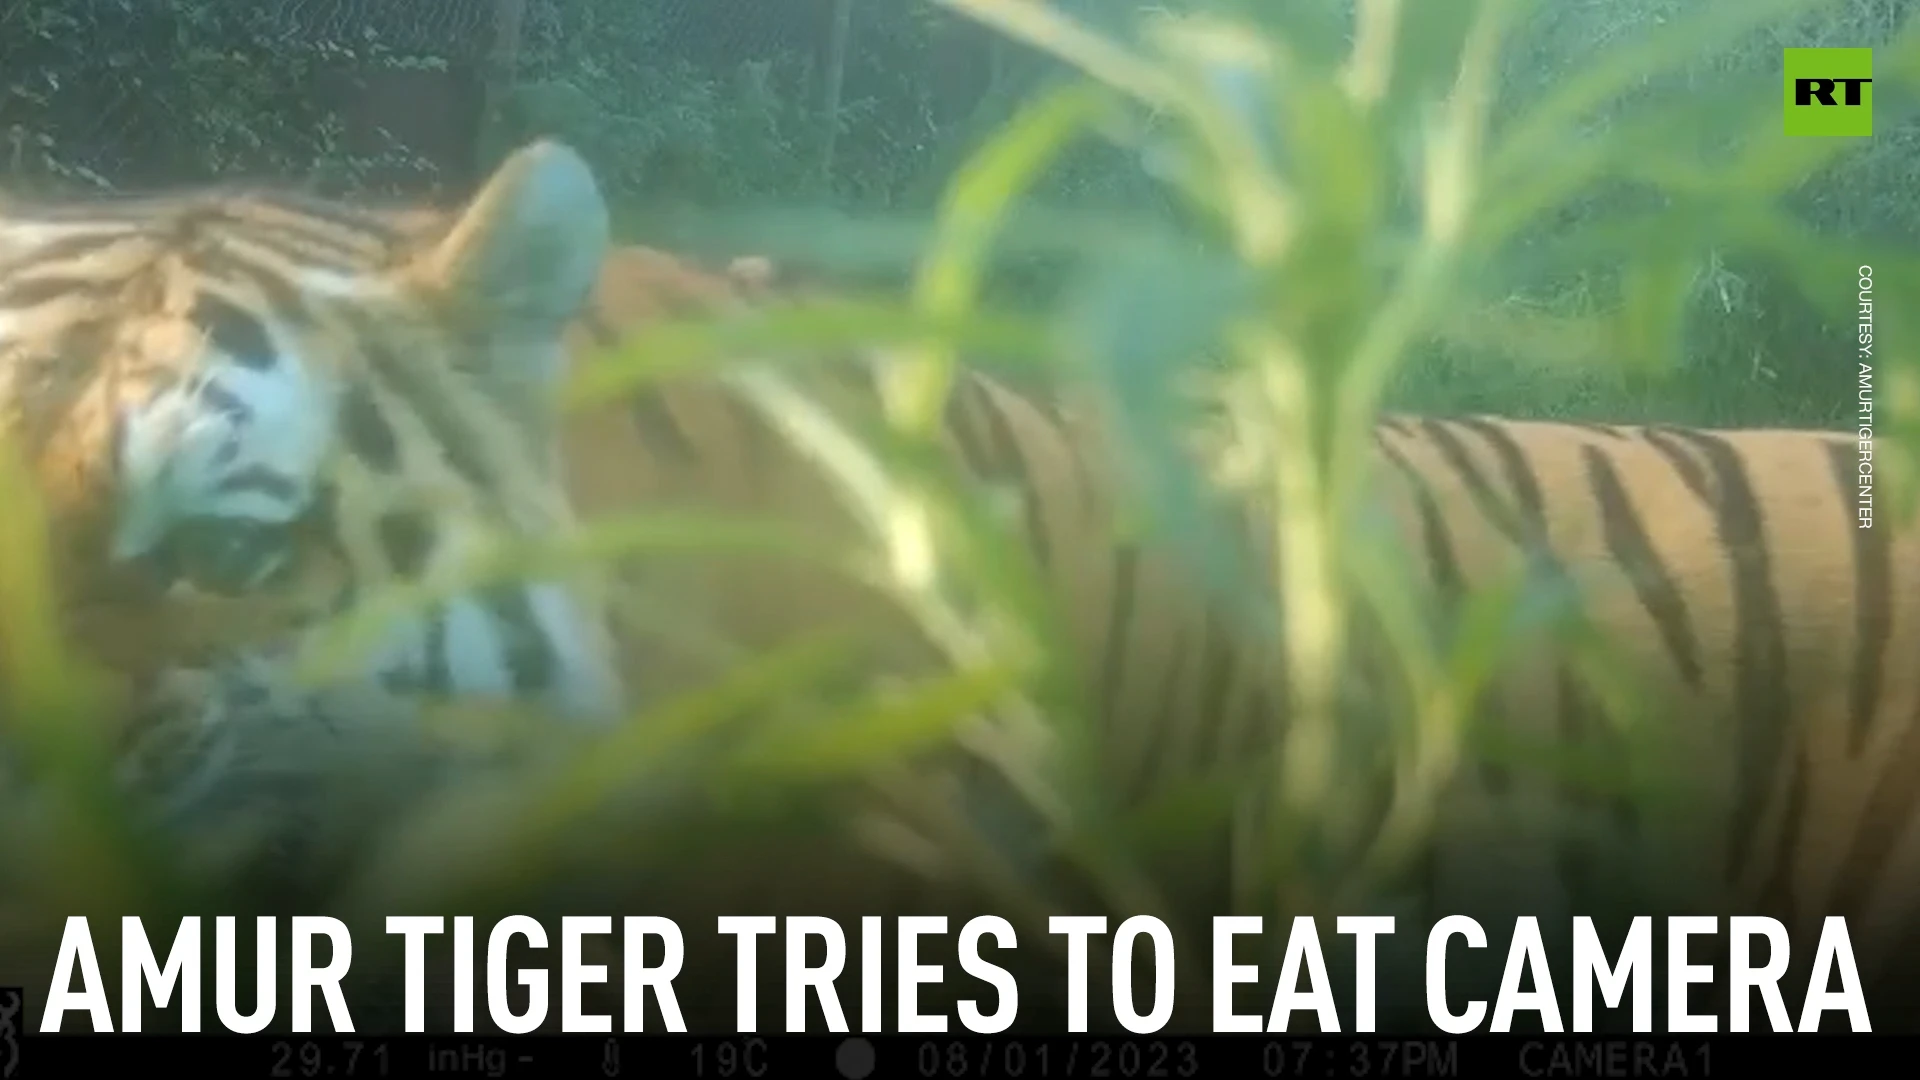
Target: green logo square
(1829, 92)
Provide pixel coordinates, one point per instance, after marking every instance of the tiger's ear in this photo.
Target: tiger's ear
(521, 259)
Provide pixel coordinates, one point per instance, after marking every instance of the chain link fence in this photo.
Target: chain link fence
(143, 93)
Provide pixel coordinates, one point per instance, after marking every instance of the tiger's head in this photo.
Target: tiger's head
(243, 408)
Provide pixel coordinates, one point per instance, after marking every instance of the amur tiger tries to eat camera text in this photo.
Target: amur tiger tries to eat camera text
(245, 410)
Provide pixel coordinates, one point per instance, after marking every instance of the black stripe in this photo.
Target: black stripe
(1609, 430)
(1626, 538)
(65, 248)
(656, 425)
(1574, 853)
(1495, 775)
(288, 301)
(225, 401)
(979, 462)
(1012, 458)
(84, 345)
(1456, 454)
(345, 217)
(366, 431)
(261, 479)
(1068, 431)
(462, 447)
(1441, 560)
(299, 250)
(1520, 476)
(45, 288)
(110, 208)
(233, 205)
(652, 416)
(1761, 696)
(407, 539)
(759, 444)
(594, 321)
(1113, 664)
(270, 282)
(321, 525)
(1883, 824)
(235, 331)
(1684, 463)
(528, 654)
(1776, 896)
(300, 245)
(1872, 597)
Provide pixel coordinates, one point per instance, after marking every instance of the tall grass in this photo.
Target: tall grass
(1349, 199)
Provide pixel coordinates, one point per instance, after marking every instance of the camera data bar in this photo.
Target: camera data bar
(856, 1057)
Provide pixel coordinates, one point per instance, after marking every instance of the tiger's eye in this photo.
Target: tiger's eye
(225, 556)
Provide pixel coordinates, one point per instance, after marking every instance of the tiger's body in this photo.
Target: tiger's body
(279, 405)
(1725, 568)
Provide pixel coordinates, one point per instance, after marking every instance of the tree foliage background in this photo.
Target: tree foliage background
(855, 104)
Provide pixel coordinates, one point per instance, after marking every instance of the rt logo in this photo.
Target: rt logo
(1829, 92)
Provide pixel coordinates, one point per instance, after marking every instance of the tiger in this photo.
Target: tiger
(243, 409)
(246, 409)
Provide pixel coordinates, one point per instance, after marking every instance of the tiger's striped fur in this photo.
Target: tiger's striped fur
(245, 409)
(1725, 569)
(401, 365)
(1730, 572)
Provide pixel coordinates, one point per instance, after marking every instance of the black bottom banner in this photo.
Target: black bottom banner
(855, 1057)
